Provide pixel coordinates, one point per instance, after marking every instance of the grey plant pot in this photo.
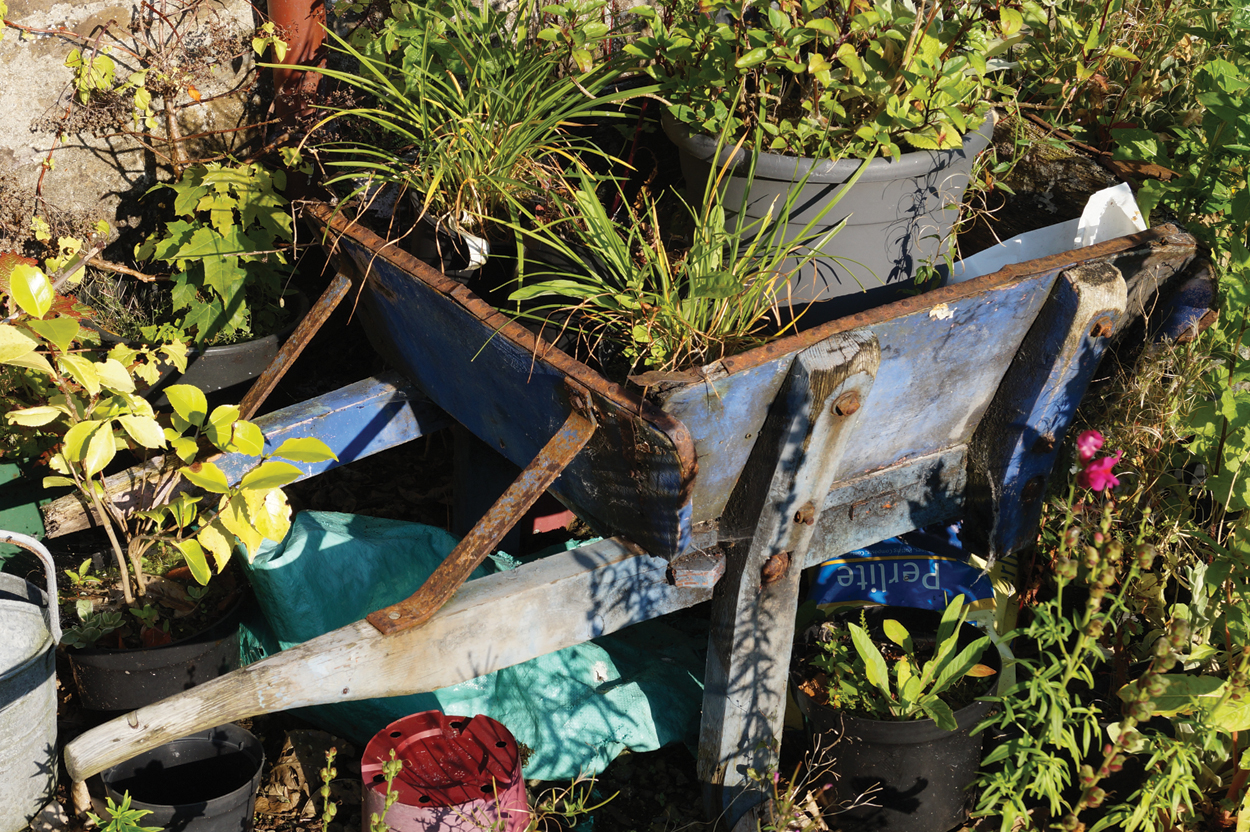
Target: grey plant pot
(897, 214)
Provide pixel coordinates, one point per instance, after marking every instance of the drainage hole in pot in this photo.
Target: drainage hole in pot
(397, 734)
(425, 798)
(378, 778)
(457, 724)
(501, 744)
(487, 789)
(193, 781)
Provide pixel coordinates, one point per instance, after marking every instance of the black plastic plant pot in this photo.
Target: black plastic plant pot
(205, 782)
(125, 679)
(914, 773)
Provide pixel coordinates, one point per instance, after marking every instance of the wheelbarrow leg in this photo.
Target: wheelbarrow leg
(775, 506)
(1018, 441)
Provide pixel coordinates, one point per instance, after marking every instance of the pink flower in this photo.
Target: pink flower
(1087, 444)
(1097, 473)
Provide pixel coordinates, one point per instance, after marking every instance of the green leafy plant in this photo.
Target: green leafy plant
(122, 818)
(827, 78)
(390, 770)
(469, 107)
(327, 774)
(228, 250)
(907, 687)
(91, 403)
(667, 302)
(92, 625)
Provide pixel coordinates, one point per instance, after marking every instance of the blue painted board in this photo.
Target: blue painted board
(943, 355)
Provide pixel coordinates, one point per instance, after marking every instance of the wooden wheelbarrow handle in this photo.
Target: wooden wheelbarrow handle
(485, 536)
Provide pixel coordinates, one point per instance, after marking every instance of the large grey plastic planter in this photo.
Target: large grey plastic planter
(898, 214)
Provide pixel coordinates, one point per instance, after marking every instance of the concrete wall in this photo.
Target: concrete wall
(100, 176)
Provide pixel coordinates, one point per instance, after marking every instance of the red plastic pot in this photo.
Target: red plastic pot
(459, 774)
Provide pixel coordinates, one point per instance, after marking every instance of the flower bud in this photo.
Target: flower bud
(1095, 797)
(1179, 637)
(1094, 628)
(1141, 711)
(1162, 649)
(1092, 558)
(1072, 538)
(1107, 576)
(1113, 553)
(1157, 686)
(1145, 557)
(1098, 538)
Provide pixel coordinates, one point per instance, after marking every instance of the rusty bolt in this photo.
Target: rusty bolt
(846, 404)
(806, 515)
(1033, 489)
(1102, 327)
(775, 568)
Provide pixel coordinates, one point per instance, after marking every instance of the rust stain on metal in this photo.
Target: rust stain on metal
(486, 534)
(806, 515)
(775, 568)
(1033, 489)
(317, 315)
(846, 404)
(1044, 444)
(1103, 327)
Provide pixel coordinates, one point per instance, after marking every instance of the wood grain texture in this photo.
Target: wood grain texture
(1020, 438)
(582, 594)
(786, 479)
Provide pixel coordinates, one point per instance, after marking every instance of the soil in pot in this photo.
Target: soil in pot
(913, 774)
(136, 666)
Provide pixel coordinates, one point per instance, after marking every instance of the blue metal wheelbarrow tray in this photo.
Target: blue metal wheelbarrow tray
(659, 468)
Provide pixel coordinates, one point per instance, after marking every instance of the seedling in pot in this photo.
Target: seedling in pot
(907, 689)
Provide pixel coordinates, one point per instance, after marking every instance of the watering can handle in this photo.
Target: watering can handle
(35, 547)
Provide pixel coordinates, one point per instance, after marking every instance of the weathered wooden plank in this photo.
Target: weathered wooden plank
(1020, 438)
(869, 508)
(356, 421)
(561, 600)
(781, 491)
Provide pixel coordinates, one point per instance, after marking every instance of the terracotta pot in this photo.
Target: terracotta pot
(303, 26)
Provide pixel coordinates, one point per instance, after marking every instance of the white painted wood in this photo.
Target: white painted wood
(492, 623)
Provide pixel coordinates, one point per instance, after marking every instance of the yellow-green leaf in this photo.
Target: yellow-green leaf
(236, 519)
(76, 439)
(208, 476)
(215, 538)
(115, 376)
(31, 361)
(270, 512)
(33, 417)
(101, 448)
(144, 430)
(184, 447)
(60, 331)
(188, 402)
(31, 289)
(81, 370)
(271, 474)
(305, 449)
(248, 439)
(193, 553)
(14, 343)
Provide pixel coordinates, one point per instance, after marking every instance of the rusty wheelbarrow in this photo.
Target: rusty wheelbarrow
(723, 484)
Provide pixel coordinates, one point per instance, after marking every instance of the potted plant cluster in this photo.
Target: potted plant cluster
(84, 399)
(897, 690)
(465, 115)
(830, 85)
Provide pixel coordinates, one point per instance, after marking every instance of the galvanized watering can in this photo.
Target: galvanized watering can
(30, 629)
